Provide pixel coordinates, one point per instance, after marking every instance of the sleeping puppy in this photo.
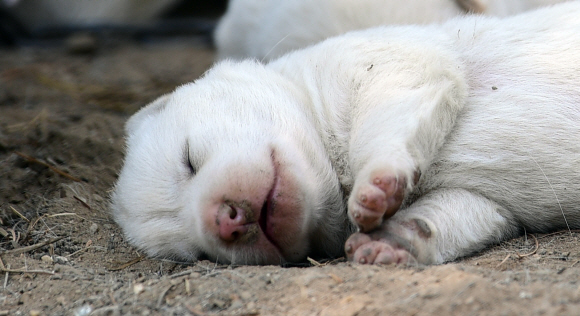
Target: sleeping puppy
(432, 141)
(266, 29)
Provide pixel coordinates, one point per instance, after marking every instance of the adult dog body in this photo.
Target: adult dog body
(439, 140)
(266, 29)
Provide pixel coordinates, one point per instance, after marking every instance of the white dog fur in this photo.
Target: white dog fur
(439, 140)
(266, 29)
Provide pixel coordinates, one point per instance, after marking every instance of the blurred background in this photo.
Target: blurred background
(49, 22)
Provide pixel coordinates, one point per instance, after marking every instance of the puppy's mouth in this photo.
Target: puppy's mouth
(268, 208)
(267, 219)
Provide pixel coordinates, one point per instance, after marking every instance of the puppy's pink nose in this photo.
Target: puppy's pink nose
(232, 222)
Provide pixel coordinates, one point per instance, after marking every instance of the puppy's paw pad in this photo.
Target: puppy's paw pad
(377, 199)
(354, 242)
(395, 241)
(381, 252)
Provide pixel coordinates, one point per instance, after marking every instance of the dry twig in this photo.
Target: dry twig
(504, 260)
(531, 253)
(6, 279)
(15, 237)
(6, 276)
(79, 251)
(19, 214)
(314, 262)
(127, 264)
(336, 278)
(51, 216)
(520, 256)
(82, 202)
(3, 232)
(8, 270)
(32, 247)
(25, 271)
(51, 167)
(321, 264)
(160, 299)
(182, 273)
(560, 232)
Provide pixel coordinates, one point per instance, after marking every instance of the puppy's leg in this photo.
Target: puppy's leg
(439, 227)
(393, 143)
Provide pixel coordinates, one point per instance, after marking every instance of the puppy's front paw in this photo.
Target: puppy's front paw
(399, 243)
(387, 249)
(376, 198)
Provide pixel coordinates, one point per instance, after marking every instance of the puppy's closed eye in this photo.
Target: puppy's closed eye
(187, 160)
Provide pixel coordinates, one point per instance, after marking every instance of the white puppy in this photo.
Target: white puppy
(266, 29)
(459, 135)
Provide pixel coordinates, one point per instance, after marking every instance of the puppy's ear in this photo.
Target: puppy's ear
(149, 110)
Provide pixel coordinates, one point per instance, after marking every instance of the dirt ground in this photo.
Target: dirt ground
(61, 146)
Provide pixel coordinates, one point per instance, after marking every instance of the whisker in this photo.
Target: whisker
(554, 191)
(275, 45)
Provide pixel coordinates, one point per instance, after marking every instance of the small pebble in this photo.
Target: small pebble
(60, 260)
(138, 288)
(94, 228)
(84, 310)
(47, 259)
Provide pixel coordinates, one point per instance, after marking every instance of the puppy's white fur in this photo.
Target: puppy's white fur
(266, 29)
(487, 110)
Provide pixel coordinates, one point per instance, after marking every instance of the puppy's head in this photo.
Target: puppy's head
(230, 166)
